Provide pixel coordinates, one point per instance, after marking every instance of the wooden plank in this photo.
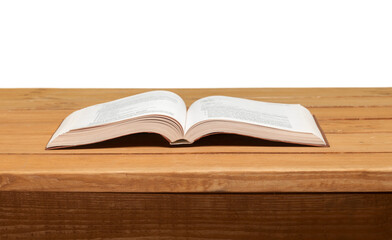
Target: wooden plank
(198, 173)
(356, 126)
(33, 124)
(198, 163)
(352, 113)
(155, 144)
(40, 215)
(48, 93)
(54, 116)
(74, 104)
(323, 115)
(73, 99)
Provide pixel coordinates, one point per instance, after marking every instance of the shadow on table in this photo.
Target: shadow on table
(155, 140)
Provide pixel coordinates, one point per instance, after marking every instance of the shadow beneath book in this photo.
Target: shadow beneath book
(155, 140)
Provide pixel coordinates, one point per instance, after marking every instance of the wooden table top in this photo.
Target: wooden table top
(357, 123)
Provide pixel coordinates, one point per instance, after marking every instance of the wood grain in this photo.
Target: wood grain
(54, 99)
(57, 215)
(154, 144)
(357, 122)
(251, 174)
(32, 122)
(338, 113)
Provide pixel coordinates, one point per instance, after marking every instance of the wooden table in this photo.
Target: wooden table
(224, 187)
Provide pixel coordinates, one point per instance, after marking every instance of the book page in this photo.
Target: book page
(154, 102)
(289, 117)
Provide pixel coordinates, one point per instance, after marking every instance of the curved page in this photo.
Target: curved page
(154, 102)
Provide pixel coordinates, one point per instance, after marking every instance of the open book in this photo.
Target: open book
(165, 113)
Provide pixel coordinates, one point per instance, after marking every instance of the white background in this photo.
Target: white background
(174, 44)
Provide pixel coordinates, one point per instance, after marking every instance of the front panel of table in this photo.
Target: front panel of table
(64, 215)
